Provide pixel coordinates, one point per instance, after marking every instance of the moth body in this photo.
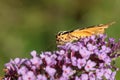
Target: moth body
(70, 36)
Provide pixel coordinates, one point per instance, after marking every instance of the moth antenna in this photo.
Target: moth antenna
(107, 25)
(111, 23)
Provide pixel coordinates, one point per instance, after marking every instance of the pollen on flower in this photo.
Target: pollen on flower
(88, 58)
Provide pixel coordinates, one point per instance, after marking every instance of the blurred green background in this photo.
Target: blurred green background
(27, 25)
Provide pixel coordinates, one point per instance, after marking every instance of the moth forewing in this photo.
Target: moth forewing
(81, 33)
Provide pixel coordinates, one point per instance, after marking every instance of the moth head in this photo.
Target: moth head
(62, 33)
(61, 37)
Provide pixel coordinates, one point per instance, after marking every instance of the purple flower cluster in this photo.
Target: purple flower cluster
(89, 58)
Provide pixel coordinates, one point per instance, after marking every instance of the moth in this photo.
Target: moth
(70, 36)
